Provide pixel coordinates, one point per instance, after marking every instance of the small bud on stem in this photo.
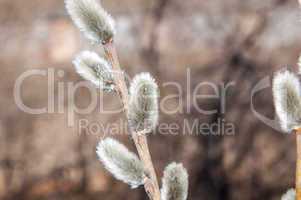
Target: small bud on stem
(143, 104)
(122, 163)
(89, 16)
(289, 195)
(174, 183)
(95, 69)
(287, 100)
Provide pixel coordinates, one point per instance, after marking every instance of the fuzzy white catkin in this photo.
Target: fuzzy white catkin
(119, 161)
(95, 69)
(287, 94)
(143, 104)
(174, 183)
(89, 16)
(289, 195)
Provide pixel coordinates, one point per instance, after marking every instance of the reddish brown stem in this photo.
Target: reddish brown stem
(298, 165)
(150, 181)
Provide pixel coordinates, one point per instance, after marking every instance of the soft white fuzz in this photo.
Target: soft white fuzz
(287, 94)
(118, 160)
(174, 183)
(89, 16)
(143, 103)
(289, 195)
(95, 69)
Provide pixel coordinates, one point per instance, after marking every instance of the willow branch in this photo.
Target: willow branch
(298, 164)
(150, 181)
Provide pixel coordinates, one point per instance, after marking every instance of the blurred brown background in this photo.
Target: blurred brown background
(220, 41)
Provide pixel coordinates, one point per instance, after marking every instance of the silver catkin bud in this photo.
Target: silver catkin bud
(143, 104)
(95, 69)
(89, 16)
(174, 183)
(287, 93)
(289, 195)
(119, 161)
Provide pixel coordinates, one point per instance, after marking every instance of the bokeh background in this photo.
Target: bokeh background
(220, 41)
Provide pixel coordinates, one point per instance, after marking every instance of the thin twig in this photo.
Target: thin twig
(298, 165)
(150, 181)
